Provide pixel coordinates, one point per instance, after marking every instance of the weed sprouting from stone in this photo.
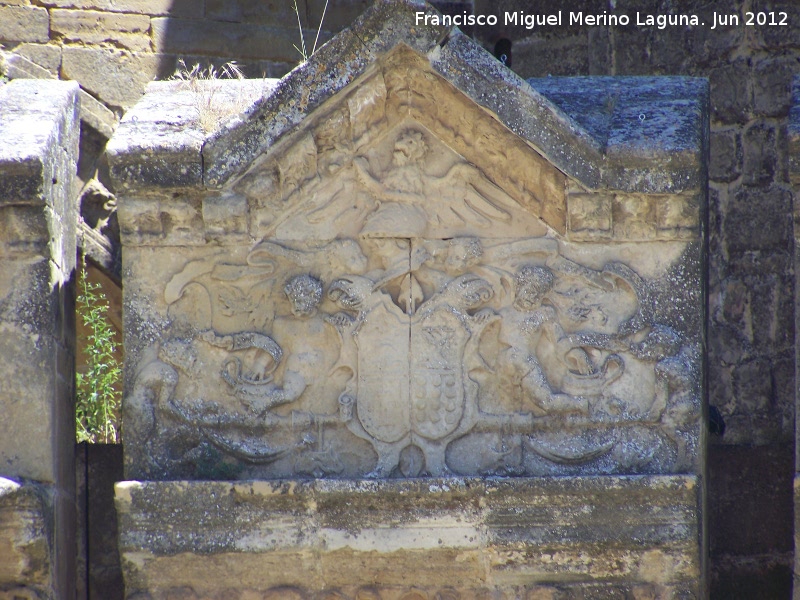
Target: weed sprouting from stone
(212, 103)
(98, 395)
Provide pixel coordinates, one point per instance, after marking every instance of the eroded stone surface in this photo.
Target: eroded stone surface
(24, 539)
(437, 538)
(39, 128)
(427, 356)
(383, 277)
(399, 288)
(38, 153)
(404, 315)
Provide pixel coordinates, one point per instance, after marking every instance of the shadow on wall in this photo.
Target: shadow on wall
(263, 38)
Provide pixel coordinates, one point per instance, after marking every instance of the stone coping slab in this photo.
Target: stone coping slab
(161, 138)
(503, 535)
(673, 134)
(34, 115)
(649, 128)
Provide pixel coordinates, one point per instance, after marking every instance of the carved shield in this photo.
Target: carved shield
(382, 404)
(438, 339)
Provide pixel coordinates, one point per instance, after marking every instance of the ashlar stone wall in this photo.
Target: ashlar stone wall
(794, 174)
(113, 49)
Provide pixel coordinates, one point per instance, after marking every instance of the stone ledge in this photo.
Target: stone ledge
(39, 136)
(159, 141)
(34, 115)
(651, 130)
(464, 532)
(24, 543)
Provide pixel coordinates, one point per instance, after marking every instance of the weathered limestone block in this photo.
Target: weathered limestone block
(38, 153)
(171, 123)
(97, 116)
(339, 15)
(131, 32)
(206, 37)
(177, 8)
(404, 262)
(16, 66)
(116, 77)
(24, 539)
(24, 24)
(39, 130)
(47, 56)
(426, 536)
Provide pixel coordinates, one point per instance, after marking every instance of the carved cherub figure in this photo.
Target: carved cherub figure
(533, 337)
(306, 340)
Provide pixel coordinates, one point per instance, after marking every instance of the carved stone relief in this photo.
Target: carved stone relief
(407, 313)
(367, 164)
(385, 356)
(384, 192)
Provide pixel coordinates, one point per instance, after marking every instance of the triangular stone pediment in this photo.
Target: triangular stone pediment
(539, 136)
(402, 153)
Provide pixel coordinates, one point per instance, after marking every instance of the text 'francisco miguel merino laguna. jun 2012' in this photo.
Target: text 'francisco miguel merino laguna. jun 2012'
(606, 19)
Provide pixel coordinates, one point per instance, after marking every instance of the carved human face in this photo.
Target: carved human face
(304, 293)
(410, 147)
(532, 283)
(463, 253)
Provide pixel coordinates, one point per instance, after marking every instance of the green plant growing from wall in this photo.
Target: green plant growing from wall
(98, 396)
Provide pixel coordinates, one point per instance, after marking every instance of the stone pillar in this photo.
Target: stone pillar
(39, 131)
